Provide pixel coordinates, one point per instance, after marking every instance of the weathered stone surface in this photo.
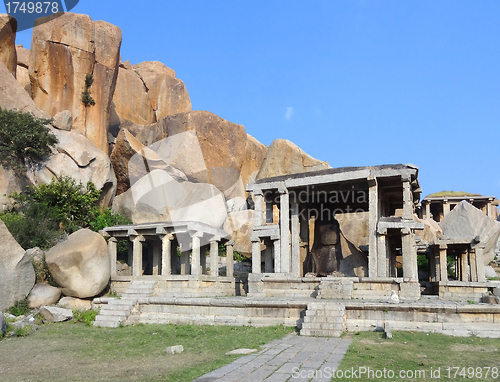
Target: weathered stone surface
(22, 73)
(354, 226)
(239, 225)
(80, 264)
(14, 96)
(17, 275)
(63, 120)
(177, 349)
(77, 156)
(465, 223)
(63, 51)
(431, 232)
(255, 152)
(131, 100)
(284, 158)
(43, 294)
(55, 314)
(158, 195)
(8, 54)
(205, 147)
(35, 254)
(167, 94)
(9, 183)
(241, 351)
(132, 160)
(75, 303)
(490, 272)
(3, 324)
(354, 262)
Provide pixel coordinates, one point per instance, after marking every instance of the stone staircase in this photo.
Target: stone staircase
(324, 319)
(117, 310)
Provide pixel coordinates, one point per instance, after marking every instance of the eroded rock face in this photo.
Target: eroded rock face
(431, 232)
(22, 72)
(63, 51)
(78, 157)
(17, 275)
(255, 152)
(285, 158)
(43, 294)
(205, 147)
(9, 183)
(14, 96)
(465, 222)
(8, 54)
(80, 264)
(239, 225)
(167, 94)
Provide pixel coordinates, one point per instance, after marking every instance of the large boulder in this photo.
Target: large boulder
(64, 50)
(467, 223)
(255, 152)
(17, 275)
(239, 225)
(14, 96)
(205, 147)
(10, 182)
(158, 196)
(354, 227)
(43, 294)
(80, 264)
(167, 94)
(131, 100)
(431, 232)
(55, 314)
(8, 54)
(79, 158)
(22, 72)
(285, 158)
(75, 303)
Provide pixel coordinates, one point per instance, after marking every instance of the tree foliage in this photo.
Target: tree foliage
(23, 138)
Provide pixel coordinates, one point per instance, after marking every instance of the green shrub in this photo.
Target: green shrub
(23, 138)
(20, 308)
(85, 316)
(86, 97)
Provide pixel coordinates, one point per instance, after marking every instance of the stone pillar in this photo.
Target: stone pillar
(295, 239)
(285, 231)
(277, 255)
(383, 254)
(410, 268)
(137, 254)
(446, 207)
(258, 208)
(407, 198)
(256, 267)
(489, 208)
(214, 256)
(229, 259)
(195, 254)
(130, 252)
(373, 216)
(269, 212)
(185, 264)
(443, 263)
(473, 265)
(433, 266)
(427, 210)
(112, 255)
(464, 266)
(481, 277)
(166, 254)
(156, 257)
(268, 259)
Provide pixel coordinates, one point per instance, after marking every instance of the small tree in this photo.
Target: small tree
(23, 138)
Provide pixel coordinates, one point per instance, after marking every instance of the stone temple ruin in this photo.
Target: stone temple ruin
(344, 241)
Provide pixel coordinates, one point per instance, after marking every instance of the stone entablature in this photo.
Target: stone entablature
(305, 201)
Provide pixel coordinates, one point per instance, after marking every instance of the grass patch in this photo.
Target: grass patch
(21, 307)
(78, 352)
(421, 351)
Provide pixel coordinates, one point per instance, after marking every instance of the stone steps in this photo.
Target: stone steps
(324, 319)
(118, 310)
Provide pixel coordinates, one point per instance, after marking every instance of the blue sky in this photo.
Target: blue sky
(352, 82)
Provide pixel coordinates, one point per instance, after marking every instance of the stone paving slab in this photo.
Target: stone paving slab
(293, 358)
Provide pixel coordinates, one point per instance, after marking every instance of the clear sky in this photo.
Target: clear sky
(353, 82)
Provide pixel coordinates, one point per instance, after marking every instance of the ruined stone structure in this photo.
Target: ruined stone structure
(306, 238)
(437, 207)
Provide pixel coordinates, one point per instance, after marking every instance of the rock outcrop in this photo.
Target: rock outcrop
(80, 264)
(43, 294)
(255, 152)
(205, 147)
(64, 51)
(467, 223)
(17, 275)
(22, 70)
(78, 157)
(239, 225)
(8, 54)
(284, 158)
(9, 183)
